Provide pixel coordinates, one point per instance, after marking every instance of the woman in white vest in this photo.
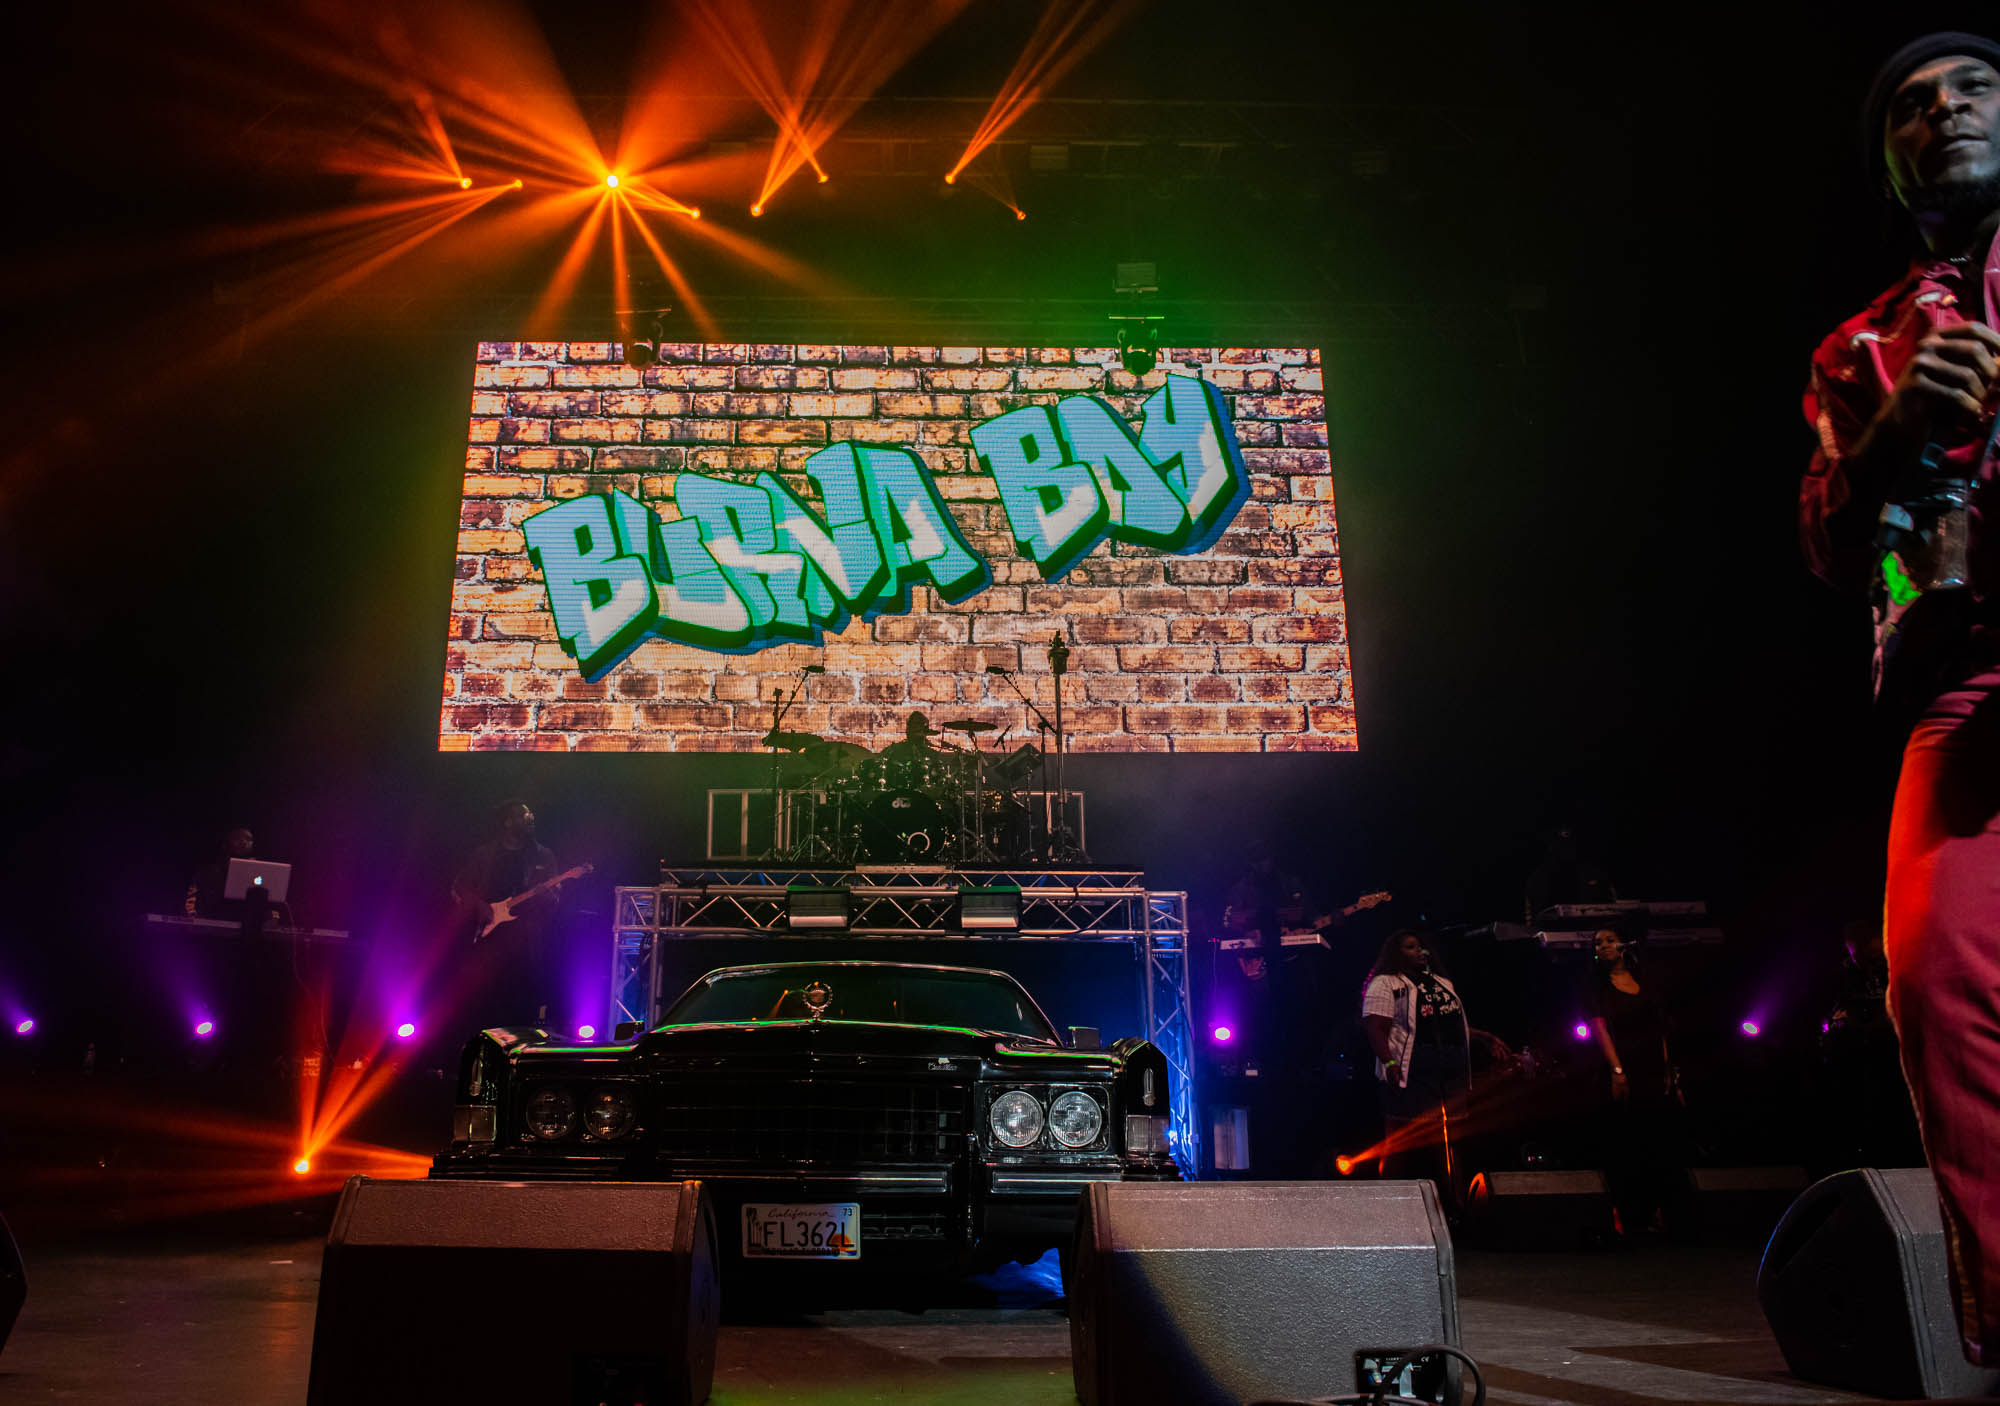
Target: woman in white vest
(1422, 1041)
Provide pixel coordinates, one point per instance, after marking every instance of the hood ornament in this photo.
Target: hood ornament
(818, 996)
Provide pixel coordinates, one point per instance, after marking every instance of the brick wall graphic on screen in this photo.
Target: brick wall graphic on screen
(1239, 647)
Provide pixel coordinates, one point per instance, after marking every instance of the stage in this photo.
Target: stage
(180, 1321)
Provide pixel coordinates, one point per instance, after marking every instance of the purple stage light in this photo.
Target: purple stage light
(1751, 1028)
(1223, 1034)
(25, 1026)
(205, 1028)
(1581, 1030)
(405, 1030)
(586, 1032)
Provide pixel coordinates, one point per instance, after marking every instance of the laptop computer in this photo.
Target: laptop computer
(245, 873)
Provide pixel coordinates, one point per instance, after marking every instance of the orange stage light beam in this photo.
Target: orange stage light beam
(236, 239)
(839, 59)
(762, 256)
(542, 320)
(621, 271)
(990, 178)
(697, 311)
(647, 196)
(1062, 37)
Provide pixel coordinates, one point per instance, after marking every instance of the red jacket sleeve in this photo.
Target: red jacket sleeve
(1836, 526)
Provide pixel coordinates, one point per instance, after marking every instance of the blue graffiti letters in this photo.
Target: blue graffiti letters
(746, 565)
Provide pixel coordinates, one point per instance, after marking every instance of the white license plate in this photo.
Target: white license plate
(808, 1230)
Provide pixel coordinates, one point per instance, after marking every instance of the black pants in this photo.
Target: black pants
(519, 974)
(1645, 1159)
(1418, 1139)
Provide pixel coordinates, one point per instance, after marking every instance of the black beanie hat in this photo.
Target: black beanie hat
(1905, 61)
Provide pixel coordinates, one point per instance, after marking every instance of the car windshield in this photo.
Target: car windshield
(972, 1000)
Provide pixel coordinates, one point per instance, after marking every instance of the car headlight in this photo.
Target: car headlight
(1016, 1119)
(611, 1114)
(1075, 1119)
(552, 1114)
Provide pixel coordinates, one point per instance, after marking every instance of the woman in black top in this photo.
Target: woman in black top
(1643, 1161)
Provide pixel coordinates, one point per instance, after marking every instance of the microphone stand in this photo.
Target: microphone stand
(1061, 845)
(1041, 721)
(781, 705)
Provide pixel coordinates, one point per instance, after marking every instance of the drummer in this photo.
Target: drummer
(916, 743)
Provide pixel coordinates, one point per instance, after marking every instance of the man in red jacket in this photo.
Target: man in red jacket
(1902, 498)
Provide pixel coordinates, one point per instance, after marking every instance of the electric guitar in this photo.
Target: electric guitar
(1301, 937)
(1310, 937)
(503, 911)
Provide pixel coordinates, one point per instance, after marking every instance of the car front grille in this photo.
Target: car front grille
(823, 1122)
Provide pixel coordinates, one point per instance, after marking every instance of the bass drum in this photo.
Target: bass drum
(904, 827)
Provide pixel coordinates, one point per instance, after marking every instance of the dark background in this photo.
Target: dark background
(1566, 474)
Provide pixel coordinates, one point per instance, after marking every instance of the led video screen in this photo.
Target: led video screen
(646, 557)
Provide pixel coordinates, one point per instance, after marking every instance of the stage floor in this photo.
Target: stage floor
(182, 1322)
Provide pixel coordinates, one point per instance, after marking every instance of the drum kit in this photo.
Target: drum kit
(913, 803)
(972, 803)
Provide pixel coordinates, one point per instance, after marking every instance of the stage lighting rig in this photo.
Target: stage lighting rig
(641, 354)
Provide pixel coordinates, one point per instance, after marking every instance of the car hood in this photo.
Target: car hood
(842, 1039)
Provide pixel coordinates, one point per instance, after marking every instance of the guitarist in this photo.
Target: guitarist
(1902, 496)
(1278, 998)
(517, 960)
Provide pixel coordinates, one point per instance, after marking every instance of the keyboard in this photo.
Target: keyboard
(174, 924)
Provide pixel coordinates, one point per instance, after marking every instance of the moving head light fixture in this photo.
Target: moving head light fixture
(640, 353)
(1138, 332)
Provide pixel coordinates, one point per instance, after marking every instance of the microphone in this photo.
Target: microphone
(815, 668)
(996, 669)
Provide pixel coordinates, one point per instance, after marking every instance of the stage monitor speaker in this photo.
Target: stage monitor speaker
(1742, 1203)
(1537, 1210)
(1855, 1289)
(13, 1283)
(435, 1291)
(1225, 1292)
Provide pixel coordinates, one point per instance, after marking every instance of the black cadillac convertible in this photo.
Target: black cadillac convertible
(874, 1112)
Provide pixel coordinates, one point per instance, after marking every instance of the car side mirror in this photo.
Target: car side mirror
(626, 1030)
(1086, 1037)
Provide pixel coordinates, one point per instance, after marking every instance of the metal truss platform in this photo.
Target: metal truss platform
(919, 903)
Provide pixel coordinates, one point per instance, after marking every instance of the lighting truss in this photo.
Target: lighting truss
(918, 903)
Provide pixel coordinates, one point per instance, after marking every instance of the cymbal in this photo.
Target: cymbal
(790, 741)
(834, 756)
(969, 725)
